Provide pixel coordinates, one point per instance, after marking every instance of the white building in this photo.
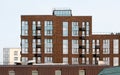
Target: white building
(11, 55)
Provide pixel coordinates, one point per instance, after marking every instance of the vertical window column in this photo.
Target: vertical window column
(38, 28)
(34, 46)
(34, 28)
(87, 46)
(83, 27)
(87, 28)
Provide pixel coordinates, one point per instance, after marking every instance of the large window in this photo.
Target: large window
(11, 72)
(24, 46)
(115, 46)
(75, 60)
(48, 59)
(75, 46)
(48, 29)
(48, 45)
(115, 61)
(106, 46)
(75, 28)
(57, 72)
(65, 28)
(34, 72)
(65, 46)
(24, 28)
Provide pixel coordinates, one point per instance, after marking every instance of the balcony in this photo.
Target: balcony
(38, 28)
(37, 37)
(97, 47)
(82, 29)
(82, 37)
(82, 47)
(82, 55)
(38, 46)
(37, 55)
(96, 55)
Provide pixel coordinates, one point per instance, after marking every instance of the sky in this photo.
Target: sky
(105, 16)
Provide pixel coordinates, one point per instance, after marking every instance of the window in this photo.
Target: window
(65, 59)
(34, 72)
(24, 59)
(81, 72)
(62, 13)
(83, 24)
(87, 46)
(11, 72)
(87, 60)
(34, 46)
(95, 60)
(38, 42)
(48, 46)
(93, 46)
(24, 28)
(38, 24)
(24, 46)
(65, 46)
(38, 33)
(75, 60)
(116, 46)
(38, 59)
(115, 61)
(106, 60)
(16, 53)
(83, 51)
(34, 28)
(57, 72)
(48, 59)
(75, 28)
(83, 60)
(48, 28)
(75, 46)
(106, 46)
(65, 28)
(15, 58)
(39, 50)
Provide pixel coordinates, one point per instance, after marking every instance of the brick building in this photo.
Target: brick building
(64, 38)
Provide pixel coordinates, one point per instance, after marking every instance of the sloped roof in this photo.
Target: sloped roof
(110, 71)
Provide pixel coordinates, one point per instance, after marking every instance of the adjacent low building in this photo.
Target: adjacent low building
(51, 69)
(11, 55)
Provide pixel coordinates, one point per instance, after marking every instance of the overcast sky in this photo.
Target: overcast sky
(105, 15)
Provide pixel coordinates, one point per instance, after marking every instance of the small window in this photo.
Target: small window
(34, 72)
(81, 72)
(11, 72)
(58, 72)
